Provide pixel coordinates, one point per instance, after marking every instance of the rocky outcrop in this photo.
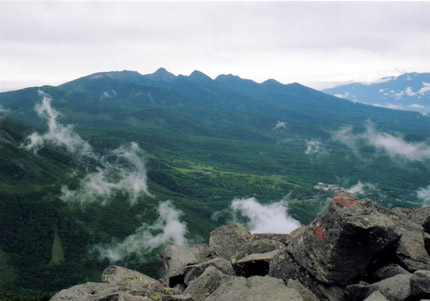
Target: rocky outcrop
(354, 250)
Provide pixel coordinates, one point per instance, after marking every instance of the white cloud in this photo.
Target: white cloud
(393, 106)
(409, 92)
(167, 229)
(270, 218)
(215, 37)
(280, 124)
(424, 89)
(423, 195)
(122, 171)
(314, 147)
(394, 146)
(345, 95)
(361, 188)
(57, 134)
(416, 106)
(424, 114)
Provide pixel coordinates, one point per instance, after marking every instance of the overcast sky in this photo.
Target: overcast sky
(307, 42)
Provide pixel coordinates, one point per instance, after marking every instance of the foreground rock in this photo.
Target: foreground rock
(225, 241)
(354, 250)
(175, 259)
(256, 288)
(340, 243)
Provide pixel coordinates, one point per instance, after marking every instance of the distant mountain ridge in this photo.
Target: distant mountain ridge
(409, 91)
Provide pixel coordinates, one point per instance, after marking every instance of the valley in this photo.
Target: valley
(123, 161)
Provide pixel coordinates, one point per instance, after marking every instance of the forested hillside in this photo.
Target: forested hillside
(111, 167)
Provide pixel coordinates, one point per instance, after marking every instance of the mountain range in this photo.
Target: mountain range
(94, 168)
(409, 91)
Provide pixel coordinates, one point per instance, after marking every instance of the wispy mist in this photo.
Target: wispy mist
(168, 229)
(423, 195)
(280, 125)
(270, 218)
(361, 188)
(314, 147)
(3, 110)
(395, 146)
(57, 134)
(121, 171)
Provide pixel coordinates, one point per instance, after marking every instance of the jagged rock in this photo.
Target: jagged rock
(89, 291)
(129, 279)
(256, 288)
(195, 270)
(175, 259)
(376, 296)
(420, 284)
(254, 246)
(306, 294)
(339, 244)
(390, 271)
(225, 241)
(411, 250)
(283, 238)
(254, 264)
(395, 288)
(284, 267)
(206, 283)
(421, 216)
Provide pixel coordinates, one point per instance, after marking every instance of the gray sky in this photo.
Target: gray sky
(307, 42)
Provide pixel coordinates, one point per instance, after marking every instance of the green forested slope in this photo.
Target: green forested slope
(206, 142)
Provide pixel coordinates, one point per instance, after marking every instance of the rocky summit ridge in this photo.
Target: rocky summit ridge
(354, 250)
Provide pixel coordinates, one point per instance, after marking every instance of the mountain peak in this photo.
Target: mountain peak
(271, 82)
(199, 77)
(161, 75)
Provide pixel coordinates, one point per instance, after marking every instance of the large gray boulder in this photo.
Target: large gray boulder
(376, 296)
(176, 259)
(254, 264)
(306, 294)
(206, 283)
(421, 216)
(411, 250)
(396, 288)
(195, 270)
(256, 288)
(129, 279)
(254, 246)
(225, 241)
(420, 284)
(390, 271)
(89, 291)
(123, 297)
(341, 242)
(283, 238)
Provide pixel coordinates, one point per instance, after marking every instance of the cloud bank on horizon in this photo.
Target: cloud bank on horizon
(215, 37)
